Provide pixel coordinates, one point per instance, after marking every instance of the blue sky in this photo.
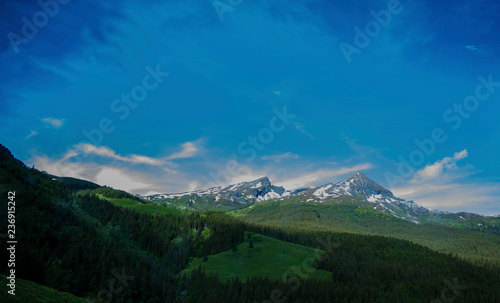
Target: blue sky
(304, 92)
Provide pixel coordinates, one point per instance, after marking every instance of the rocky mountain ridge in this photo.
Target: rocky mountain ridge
(253, 191)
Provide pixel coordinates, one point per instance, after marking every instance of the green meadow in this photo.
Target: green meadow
(268, 257)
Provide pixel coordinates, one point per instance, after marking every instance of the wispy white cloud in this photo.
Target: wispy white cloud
(452, 195)
(443, 185)
(193, 186)
(119, 178)
(108, 152)
(127, 179)
(55, 123)
(278, 158)
(93, 163)
(301, 128)
(188, 150)
(436, 170)
(78, 162)
(31, 134)
(62, 167)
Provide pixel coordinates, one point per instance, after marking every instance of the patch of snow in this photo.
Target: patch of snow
(270, 195)
(345, 189)
(258, 185)
(321, 192)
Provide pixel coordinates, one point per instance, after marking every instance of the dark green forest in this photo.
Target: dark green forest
(72, 240)
(479, 246)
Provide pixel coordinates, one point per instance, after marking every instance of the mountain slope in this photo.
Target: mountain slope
(67, 241)
(358, 185)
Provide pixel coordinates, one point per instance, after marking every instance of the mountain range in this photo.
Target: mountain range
(257, 190)
(356, 188)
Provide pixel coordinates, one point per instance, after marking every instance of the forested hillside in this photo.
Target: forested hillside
(479, 246)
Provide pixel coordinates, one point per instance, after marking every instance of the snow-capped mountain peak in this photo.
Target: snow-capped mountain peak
(262, 182)
(252, 191)
(359, 185)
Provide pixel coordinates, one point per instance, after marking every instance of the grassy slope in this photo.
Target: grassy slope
(27, 291)
(143, 208)
(470, 245)
(269, 257)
